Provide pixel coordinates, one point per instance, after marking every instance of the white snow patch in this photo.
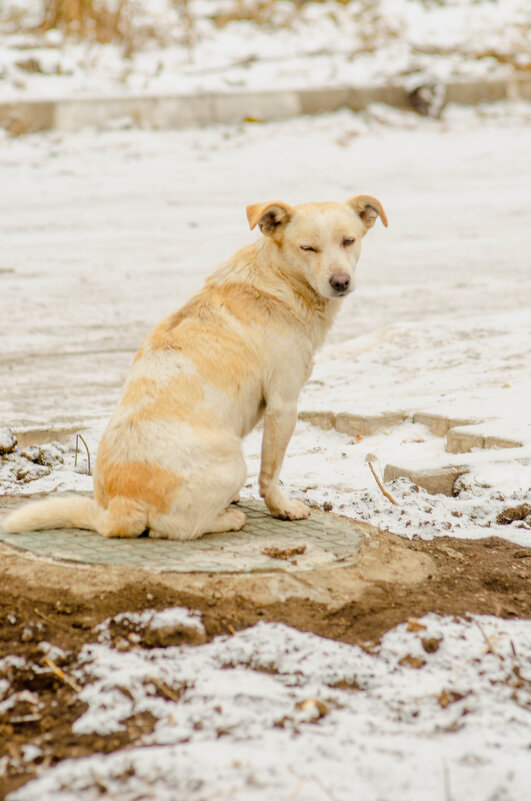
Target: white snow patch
(237, 731)
(175, 616)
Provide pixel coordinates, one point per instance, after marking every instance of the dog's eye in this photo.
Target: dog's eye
(348, 242)
(309, 249)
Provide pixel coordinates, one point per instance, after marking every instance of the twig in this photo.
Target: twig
(490, 647)
(387, 495)
(297, 791)
(165, 690)
(49, 620)
(62, 675)
(79, 437)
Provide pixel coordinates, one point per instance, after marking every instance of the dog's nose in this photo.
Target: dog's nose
(340, 282)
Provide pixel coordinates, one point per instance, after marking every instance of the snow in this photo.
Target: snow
(175, 617)
(274, 712)
(235, 45)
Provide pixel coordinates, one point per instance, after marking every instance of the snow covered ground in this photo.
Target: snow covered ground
(102, 234)
(105, 233)
(237, 44)
(439, 710)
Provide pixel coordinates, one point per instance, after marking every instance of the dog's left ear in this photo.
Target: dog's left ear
(270, 217)
(368, 208)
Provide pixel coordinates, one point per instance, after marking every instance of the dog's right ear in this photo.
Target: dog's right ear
(270, 217)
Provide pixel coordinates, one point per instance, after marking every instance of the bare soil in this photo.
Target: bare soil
(489, 576)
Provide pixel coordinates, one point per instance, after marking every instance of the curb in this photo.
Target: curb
(230, 108)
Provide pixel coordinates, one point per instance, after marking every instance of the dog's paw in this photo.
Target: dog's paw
(230, 520)
(234, 519)
(291, 509)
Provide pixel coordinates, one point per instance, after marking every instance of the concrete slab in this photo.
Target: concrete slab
(365, 425)
(461, 440)
(324, 420)
(440, 425)
(438, 480)
(347, 557)
(42, 436)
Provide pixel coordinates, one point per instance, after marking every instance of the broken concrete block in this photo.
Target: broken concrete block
(40, 436)
(324, 420)
(435, 481)
(365, 425)
(461, 441)
(501, 442)
(438, 424)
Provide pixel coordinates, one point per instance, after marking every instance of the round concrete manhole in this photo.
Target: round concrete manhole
(264, 544)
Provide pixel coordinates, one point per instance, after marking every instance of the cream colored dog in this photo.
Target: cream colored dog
(171, 459)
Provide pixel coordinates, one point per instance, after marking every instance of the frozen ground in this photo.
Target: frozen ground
(105, 233)
(439, 710)
(234, 44)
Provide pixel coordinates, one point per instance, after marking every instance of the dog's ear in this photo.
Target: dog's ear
(368, 208)
(270, 217)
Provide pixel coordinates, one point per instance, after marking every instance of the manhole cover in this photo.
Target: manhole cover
(264, 544)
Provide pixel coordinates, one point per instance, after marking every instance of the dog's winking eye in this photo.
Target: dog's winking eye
(348, 242)
(309, 249)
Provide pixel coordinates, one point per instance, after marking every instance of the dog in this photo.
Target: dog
(170, 460)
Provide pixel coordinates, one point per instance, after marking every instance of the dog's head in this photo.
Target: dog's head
(319, 242)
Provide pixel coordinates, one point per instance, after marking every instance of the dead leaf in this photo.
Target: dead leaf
(448, 697)
(412, 661)
(283, 553)
(414, 625)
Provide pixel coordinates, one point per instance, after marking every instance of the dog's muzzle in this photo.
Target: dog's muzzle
(340, 283)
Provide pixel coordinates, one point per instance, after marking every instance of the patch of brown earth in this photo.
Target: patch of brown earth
(488, 577)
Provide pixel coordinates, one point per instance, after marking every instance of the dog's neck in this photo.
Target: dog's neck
(318, 311)
(261, 265)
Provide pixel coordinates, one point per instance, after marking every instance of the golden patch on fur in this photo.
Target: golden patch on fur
(170, 459)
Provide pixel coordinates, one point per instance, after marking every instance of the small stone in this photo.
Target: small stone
(27, 634)
(176, 634)
(314, 708)
(412, 661)
(430, 644)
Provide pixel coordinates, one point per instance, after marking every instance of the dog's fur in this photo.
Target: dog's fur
(170, 459)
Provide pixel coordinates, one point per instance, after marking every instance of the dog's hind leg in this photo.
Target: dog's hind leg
(201, 504)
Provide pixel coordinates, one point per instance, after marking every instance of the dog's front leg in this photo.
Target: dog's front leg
(279, 423)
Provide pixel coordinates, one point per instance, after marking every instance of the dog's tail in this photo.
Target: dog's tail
(123, 517)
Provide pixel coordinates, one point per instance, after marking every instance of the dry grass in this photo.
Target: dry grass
(87, 19)
(119, 22)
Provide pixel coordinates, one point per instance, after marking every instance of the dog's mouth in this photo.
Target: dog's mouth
(339, 293)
